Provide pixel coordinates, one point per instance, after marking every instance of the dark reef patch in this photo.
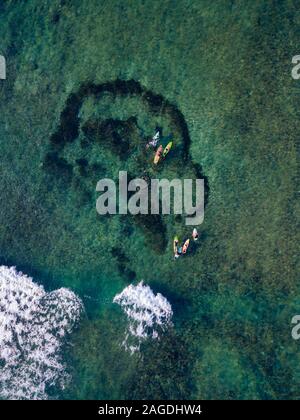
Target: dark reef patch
(155, 230)
(116, 136)
(123, 263)
(54, 164)
(68, 129)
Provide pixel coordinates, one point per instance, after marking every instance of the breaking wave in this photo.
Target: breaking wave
(33, 325)
(148, 314)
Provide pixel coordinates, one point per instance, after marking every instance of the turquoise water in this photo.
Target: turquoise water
(81, 77)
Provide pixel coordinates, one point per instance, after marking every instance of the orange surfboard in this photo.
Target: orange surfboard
(185, 246)
(158, 155)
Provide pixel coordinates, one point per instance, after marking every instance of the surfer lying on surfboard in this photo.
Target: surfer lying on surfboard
(181, 250)
(153, 142)
(158, 155)
(162, 153)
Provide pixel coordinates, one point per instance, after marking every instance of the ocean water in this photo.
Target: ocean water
(87, 84)
(146, 312)
(34, 325)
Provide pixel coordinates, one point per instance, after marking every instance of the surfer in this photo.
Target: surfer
(158, 155)
(185, 246)
(177, 250)
(167, 149)
(153, 142)
(195, 234)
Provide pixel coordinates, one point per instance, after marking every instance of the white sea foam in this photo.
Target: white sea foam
(33, 325)
(147, 313)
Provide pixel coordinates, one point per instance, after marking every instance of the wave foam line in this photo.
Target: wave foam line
(33, 326)
(148, 314)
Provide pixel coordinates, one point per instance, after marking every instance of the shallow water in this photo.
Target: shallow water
(216, 75)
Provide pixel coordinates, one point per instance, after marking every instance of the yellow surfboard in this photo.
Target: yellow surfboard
(167, 148)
